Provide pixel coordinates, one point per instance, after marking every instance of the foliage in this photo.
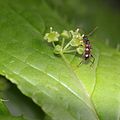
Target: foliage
(62, 90)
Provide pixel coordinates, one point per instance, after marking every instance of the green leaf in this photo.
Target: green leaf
(55, 83)
(20, 105)
(29, 62)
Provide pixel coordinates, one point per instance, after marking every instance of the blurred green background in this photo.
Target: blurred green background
(87, 14)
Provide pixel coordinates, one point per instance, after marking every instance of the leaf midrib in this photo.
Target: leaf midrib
(81, 84)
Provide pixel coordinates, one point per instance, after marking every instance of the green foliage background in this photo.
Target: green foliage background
(59, 91)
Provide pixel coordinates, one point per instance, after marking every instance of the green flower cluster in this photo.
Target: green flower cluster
(65, 42)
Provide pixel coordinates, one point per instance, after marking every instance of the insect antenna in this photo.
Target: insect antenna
(89, 34)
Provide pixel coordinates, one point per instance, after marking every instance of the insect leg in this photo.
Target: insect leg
(81, 61)
(92, 62)
(93, 58)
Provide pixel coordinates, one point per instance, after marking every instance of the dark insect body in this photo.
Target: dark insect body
(87, 51)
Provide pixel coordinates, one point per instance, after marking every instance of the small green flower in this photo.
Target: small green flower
(80, 50)
(76, 38)
(76, 34)
(65, 34)
(52, 36)
(57, 49)
(75, 42)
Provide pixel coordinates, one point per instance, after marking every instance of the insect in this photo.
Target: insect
(87, 54)
(87, 49)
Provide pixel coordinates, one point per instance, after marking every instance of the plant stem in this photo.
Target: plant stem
(66, 46)
(63, 41)
(73, 73)
(81, 85)
(53, 44)
(69, 51)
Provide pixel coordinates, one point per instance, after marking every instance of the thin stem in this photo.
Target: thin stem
(53, 44)
(63, 41)
(81, 85)
(67, 46)
(69, 51)
(73, 73)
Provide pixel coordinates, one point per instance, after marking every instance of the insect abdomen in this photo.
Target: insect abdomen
(87, 51)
